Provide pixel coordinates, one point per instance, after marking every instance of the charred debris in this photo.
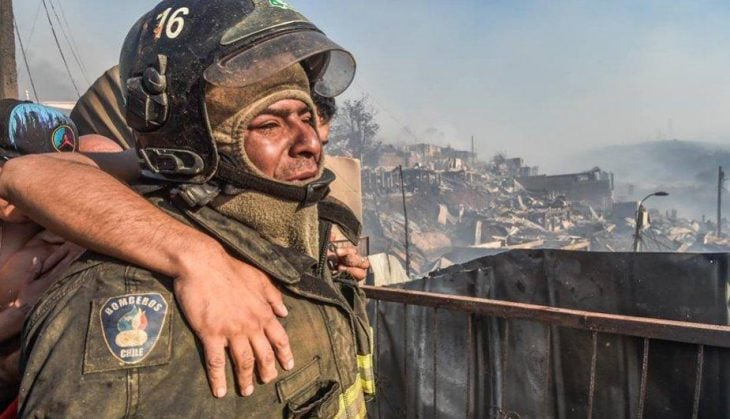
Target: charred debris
(460, 208)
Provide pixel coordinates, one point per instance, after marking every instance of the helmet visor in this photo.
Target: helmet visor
(330, 67)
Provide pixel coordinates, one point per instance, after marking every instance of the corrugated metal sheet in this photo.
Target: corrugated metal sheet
(443, 363)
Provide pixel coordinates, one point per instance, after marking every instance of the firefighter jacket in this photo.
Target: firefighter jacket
(108, 339)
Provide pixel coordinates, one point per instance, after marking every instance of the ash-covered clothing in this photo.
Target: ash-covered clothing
(109, 341)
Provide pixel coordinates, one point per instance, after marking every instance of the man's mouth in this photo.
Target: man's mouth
(304, 175)
(298, 170)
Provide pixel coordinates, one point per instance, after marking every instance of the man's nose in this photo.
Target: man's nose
(307, 141)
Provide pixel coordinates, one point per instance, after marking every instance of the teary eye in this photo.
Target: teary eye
(267, 126)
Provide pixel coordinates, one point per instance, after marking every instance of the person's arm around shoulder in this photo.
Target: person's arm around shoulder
(227, 303)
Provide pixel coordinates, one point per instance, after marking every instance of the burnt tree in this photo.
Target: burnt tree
(354, 128)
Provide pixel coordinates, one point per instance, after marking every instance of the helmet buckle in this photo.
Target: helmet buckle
(168, 161)
(147, 103)
(317, 190)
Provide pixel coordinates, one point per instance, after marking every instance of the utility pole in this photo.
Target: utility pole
(473, 156)
(639, 226)
(640, 211)
(720, 180)
(8, 69)
(405, 216)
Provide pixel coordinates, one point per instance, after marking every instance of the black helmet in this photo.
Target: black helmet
(175, 49)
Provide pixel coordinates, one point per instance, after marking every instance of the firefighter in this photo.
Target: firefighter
(218, 94)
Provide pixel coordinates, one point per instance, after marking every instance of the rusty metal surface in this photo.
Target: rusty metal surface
(698, 381)
(555, 334)
(592, 385)
(644, 378)
(671, 330)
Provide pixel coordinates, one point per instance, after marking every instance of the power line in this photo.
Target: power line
(35, 20)
(25, 59)
(58, 45)
(70, 40)
(68, 27)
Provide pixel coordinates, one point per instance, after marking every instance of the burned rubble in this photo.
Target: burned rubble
(460, 208)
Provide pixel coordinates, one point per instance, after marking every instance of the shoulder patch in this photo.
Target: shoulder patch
(34, 128)
(64, 139)
(131, 325)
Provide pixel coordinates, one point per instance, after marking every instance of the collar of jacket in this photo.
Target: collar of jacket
(293, 269)
(282, 263)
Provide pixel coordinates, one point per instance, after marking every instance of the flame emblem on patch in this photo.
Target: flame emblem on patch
(132, 328)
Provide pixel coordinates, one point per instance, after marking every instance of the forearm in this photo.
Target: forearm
(107, 216)
(122, 165)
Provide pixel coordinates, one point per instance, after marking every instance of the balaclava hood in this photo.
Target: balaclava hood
(230, 111)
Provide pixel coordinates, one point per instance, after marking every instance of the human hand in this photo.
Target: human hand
(11, 214)
(21, 269)
(347, 259)
(230, 304)
(26, 275)
(8, 212)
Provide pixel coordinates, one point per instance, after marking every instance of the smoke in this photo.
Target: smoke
(685, 169)
(51, 81)
(542, 80)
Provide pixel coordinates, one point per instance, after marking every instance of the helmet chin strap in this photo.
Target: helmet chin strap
(305, 195)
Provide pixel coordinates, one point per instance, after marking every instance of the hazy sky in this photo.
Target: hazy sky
(530, 78)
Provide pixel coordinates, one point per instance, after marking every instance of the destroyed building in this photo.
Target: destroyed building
(458, 213)
(594, 187)
(514, 167)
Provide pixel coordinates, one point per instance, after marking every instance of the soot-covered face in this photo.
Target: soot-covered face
(282, 142)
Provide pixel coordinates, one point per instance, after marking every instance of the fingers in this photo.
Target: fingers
(32, 292)
(57, 256)
(9, 213)
(21, 269)
(244, 361)
(271, 294)
(215, 365)
(50, 238)
(35, 268)
(344, 252)
(280, 342)
(274, 298)
(348, 256)
(32, 271)
(258, 353)
(358, 274)
(265, 359)
(348, 260)
(254, 338)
